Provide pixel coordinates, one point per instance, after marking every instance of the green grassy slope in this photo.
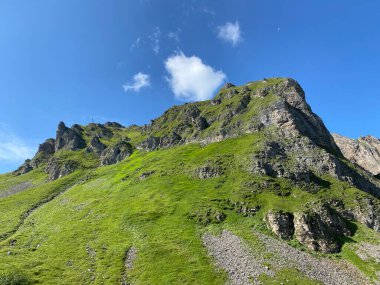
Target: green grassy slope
(77, 229)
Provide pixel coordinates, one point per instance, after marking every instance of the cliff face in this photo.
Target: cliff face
(364, 151)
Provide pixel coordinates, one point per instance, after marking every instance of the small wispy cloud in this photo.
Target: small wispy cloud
(209, 11)
(174, 35)
(12, 148)
(230, 32)
(191, 79)
(135, 44)
(155, 40)
(139, 81)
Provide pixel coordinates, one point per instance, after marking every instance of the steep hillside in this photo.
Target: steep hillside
(249, 187)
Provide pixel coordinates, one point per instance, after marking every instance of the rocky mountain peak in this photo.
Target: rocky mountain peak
(69, 138)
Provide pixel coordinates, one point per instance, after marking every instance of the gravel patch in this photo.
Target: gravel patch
(368, 251)
(233, 256)
(327, 271)
(15, 189)
(130, 256)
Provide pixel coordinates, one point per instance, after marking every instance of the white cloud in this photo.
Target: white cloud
(192, 80)
(139, 81)
(230, 32)
(155, 39)
(12, 148)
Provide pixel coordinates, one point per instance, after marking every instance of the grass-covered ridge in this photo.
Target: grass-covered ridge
(81, 235)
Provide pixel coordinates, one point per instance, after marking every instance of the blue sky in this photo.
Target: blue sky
(128, 61)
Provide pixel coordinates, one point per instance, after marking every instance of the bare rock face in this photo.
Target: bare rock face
(286, 110)
(45, 151)
(364, 152)
(69, 138)
(24, 168)
(99, 130)
(48, 147)
(301, 161)
(294, 116)
(281, 224)
(320, 228)
(57, 169)
(153, 143)
(207, 171)
(96, 146)
(367, 212)
(116, 153)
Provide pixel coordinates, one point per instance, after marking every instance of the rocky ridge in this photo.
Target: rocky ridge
(297, 147)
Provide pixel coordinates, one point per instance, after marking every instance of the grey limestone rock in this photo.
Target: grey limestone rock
(281, 224)
(69, 138)
(116, 153)
(57, 169)
(96, 146)
(364, 152)
(319, 229)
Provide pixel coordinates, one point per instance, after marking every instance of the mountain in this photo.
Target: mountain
(247, 188)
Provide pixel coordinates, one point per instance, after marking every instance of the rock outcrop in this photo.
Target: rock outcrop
(116, 153)
(69, 138)
(301, 161)
(44, 153)
(57, 169)
(320, 229)
(281, 224)
(283, 106)
(367, 212)
(24, 168)
(208, 171)
(364, 151)
(294, 116)
(96, 146)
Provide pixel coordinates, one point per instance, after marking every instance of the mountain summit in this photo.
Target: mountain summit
(209, 191)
